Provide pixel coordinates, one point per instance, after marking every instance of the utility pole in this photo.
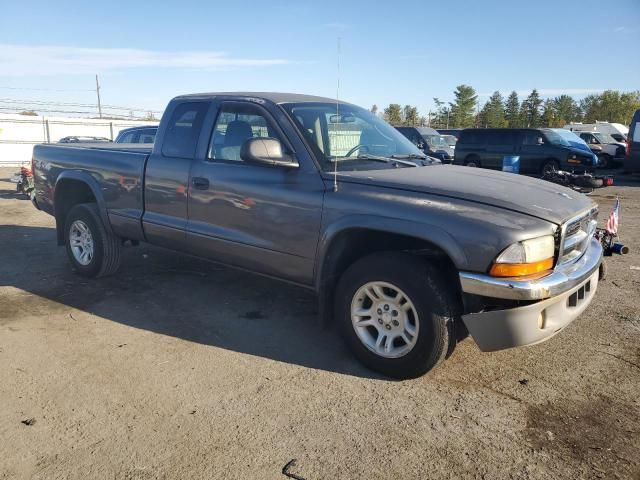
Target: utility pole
(98, 93)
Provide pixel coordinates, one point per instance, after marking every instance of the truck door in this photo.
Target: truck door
(167, 176)
(263, 218)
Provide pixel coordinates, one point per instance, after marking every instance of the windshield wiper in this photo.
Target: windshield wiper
(409, 156)
(375, 158)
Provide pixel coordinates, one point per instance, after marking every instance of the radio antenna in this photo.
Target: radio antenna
(335, 165)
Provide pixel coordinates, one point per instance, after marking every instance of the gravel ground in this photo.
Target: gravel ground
(172, 369)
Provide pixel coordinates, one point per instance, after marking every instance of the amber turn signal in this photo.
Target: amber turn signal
(520, 269)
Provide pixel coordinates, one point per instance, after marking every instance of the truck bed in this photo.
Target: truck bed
(116, 170)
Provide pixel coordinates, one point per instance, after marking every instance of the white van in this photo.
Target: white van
(618, 131)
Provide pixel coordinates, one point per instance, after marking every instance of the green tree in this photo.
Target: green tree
(374, 109)
(567, 110)
(549, 115)
(531, 110)
(463, 107)
(441, 116)
(610, 106)
(410, 114)
(393, 114)
(494, 115)
(512, 110)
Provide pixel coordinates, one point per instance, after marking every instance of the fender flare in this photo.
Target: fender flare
(93, 185)
(422, 231)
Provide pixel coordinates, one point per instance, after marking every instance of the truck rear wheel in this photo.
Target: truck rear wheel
(396, 314)
(93, 251)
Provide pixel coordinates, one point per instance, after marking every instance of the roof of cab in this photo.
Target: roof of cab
(275, 97)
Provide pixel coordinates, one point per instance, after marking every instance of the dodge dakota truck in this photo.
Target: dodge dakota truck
(407, 256)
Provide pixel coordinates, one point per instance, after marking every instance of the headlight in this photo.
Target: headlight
(528, 257)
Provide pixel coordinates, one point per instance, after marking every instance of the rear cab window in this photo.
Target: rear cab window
(183, 130)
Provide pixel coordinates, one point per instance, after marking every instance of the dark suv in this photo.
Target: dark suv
(539, 149)
(632, 160)
(429, 141)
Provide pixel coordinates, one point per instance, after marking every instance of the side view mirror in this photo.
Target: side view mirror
(266, 151)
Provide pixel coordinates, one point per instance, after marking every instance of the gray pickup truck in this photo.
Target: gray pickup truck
(406, 255)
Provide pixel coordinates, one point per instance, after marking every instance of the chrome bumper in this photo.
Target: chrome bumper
(561, 280)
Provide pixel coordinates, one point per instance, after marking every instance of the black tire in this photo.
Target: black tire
(431, 296)
(549, 165)
(106, 246)
(605, 161)
(472, 161)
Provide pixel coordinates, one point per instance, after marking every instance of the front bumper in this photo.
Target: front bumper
(563, 296)
(561, 280)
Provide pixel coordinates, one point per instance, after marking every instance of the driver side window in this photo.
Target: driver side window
(235, 125)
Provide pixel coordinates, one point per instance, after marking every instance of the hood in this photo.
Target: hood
(519, 193)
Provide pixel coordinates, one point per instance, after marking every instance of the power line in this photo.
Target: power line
(50, 89)
(76, 112)
(23, 101)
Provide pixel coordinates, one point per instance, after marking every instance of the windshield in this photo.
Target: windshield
(435, 140)
(554, 138)
(571, 138)
(349, 134)
(604, 137)
(450, 139)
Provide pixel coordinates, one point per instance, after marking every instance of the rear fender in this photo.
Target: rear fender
(93, 185)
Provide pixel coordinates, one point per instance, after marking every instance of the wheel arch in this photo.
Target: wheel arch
(353, 238)
(72, 188)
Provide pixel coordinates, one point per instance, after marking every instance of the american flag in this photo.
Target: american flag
(612, 221)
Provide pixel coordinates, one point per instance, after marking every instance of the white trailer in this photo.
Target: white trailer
(618, 131)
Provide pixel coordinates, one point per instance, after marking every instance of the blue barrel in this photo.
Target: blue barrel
(511, 163)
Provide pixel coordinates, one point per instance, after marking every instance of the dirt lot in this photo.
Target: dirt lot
(172, 369)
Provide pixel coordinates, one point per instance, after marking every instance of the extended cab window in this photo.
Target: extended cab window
(235, 125)
(182, 132)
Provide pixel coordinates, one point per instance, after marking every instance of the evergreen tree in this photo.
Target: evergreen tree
(463, 107)
(493, 112)
(549, 115)
(512, 110)
(410, 115)
(393, 114)
(531, 114)
(566, 109)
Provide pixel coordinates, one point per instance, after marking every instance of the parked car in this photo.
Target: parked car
(575, 141)
(405, 259)
(429, 141)
(632, 160)
(83, 139)
(605, 147)
(145, 134)
(539, 150)
(618, 131)
(450, 140)
(450, 131)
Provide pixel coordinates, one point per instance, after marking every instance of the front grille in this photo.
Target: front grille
(576, 234)
(576, 298)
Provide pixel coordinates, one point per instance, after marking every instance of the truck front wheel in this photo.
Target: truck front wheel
(396, 314)
(93, 251)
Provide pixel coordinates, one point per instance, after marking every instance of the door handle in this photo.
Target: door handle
(200, 183)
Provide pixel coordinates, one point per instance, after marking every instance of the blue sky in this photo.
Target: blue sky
(402, 51)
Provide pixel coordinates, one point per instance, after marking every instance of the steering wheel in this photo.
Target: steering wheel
(355, 149)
